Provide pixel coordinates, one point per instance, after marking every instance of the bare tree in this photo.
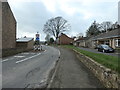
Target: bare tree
(56, 26)
(106, 26)
(115, 25)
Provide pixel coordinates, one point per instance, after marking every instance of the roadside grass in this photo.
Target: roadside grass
(106, 60)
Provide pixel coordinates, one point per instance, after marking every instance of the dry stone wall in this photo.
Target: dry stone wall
(109, 78)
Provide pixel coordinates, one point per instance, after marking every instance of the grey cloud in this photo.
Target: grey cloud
(31, 16)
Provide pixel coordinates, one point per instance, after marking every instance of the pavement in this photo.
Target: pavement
(96, 51)
(29, 69)
(71, 73)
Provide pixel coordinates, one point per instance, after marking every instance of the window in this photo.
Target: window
(106, 42)
(118, 42)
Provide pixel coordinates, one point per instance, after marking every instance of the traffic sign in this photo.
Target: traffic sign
(37, 38)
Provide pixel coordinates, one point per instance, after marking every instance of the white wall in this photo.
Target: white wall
(119, 12)
(0, 45)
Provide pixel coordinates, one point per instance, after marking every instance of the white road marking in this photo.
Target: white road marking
(59, 52)
(24, 53)
(5, 60)
(45, 50)
(32, 53)
(27, 58)
(19, 56)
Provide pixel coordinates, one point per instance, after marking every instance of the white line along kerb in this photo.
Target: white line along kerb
(27, 58)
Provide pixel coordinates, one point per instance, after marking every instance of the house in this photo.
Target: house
(25, 42)
(80, 42)
(63, 39)
(7, 27)
(111, 38)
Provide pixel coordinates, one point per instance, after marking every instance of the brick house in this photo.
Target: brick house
(64, 39)
(8, 28)
(25, 42)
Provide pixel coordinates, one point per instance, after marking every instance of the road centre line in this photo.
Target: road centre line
(19, 56)
(59, 52)
(27, 58)
(45, 50)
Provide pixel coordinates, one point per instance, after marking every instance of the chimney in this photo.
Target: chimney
(25, 37)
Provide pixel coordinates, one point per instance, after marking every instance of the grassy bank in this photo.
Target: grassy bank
(106, 60)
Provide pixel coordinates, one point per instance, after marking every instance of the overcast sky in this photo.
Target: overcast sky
(31, 15)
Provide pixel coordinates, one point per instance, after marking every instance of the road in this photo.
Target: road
(96, 51)
(71, 73)
(29, 69)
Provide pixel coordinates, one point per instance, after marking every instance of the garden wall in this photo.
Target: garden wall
(109, 78)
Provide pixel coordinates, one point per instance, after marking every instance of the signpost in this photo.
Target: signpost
(37, 45)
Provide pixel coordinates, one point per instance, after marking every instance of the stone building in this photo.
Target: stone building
(111, 38)
(8, 28)
(26, 43)
(0, 29)
(81, 42)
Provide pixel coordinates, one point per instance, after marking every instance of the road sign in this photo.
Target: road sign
(37, 35)
(37, 38)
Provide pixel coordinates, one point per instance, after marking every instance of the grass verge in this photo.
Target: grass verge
(106, 60)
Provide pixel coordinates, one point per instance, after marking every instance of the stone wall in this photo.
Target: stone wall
(109, 78)
(21, 44)
(27, 45)
(0, 29)
(13, 51)
(8, 27)
(30, 44)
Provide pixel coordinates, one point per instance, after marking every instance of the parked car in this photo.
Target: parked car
(105, 48)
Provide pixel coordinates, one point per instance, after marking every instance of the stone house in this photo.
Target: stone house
(111, 38)
(8, 28)
(80, 42)
(25, 42)
(63, 39)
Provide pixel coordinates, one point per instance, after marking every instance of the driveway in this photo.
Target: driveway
(95, 51)
(29, 69)
(71, 73)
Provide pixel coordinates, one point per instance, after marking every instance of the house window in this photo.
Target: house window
(118, 42)
(106, 42)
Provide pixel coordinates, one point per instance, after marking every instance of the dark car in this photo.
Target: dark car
(105, 48)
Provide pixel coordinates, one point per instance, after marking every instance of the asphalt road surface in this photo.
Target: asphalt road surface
(29, 69)
(71, 73)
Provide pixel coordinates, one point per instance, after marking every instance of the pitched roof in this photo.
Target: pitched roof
(80, 39)
(27, 39)
(64, 35)
(110, 34)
